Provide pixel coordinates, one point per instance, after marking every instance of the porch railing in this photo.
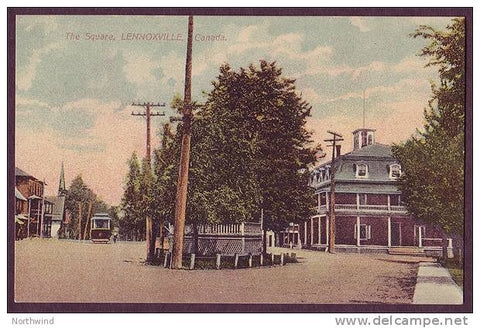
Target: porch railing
(364, 208)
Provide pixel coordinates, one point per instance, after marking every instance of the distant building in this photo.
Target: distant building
(30, 203)
(369, 212)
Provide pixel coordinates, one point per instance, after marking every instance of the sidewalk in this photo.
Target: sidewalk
(436, 286)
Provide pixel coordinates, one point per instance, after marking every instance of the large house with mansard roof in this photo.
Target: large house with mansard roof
(369, 213)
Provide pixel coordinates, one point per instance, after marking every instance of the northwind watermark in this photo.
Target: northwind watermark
(149, 36)
(33, 322)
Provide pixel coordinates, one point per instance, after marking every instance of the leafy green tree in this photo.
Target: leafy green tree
(146, 205)
(164, 185)
(77, 194)
(432, 161)
(132, 223)
(251, 150)
(273, 116)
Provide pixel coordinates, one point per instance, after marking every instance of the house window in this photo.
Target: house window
(362, 199)
(395, 171)
(364, 138)
(355, 142)
(361, 170)
(365, 232)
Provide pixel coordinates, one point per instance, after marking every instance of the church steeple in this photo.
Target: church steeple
(61, 186)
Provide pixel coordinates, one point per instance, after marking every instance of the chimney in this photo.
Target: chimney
(338, 147)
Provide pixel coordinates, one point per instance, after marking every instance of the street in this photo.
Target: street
(71, 271)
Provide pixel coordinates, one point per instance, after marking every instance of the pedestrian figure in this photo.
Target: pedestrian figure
(114, 238)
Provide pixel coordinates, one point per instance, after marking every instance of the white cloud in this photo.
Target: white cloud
(310, 95)
(139, 69)
(47, 23)
(172, 67)
(26, 75)
(360, 23)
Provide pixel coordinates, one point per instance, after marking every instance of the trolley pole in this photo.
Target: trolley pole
(150, 238)
(336, 138)
(181, 199)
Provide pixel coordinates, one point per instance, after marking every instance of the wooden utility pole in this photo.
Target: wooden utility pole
(79, 220)
(89, 214)
(336, 138)
(149, 237)
(181, 200)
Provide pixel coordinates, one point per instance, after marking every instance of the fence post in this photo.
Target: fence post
(236, 261)
(281, 259)
(192, 261)
(250, 260)
(219, 259)
(242, 231)
(272, 258)
(165, 259)
(261, 259)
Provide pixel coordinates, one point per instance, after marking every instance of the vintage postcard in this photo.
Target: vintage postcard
(294, 160)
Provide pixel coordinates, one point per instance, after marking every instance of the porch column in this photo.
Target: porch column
(389, 231)
(358, 201)
(319, 202)
(305, 234)
(311, 231)
(358, 231)
(388, 202)
(327, 230)
(319, 230)
(327, 201)
(420, 236)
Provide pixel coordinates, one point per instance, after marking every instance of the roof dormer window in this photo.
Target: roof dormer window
(395, 171)
(361, 170)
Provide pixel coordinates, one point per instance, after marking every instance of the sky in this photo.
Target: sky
(74, 90)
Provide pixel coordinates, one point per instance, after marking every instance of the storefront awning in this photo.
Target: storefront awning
(20, 219)
(19, 195)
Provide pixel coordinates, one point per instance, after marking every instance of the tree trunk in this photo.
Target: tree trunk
(149, 238)
(264, 242)
(161, 236)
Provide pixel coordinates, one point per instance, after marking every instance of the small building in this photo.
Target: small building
(53, 221)
(30, 211)
(21, 218)
(369, 213)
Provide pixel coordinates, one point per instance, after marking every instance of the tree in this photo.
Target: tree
(274, 116)
(79, 194)
(132, 223)
(251, 150)
(146, 204)
(164, 184)
(432, 161)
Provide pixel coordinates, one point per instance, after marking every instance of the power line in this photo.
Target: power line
(150, 240)
(148, 114)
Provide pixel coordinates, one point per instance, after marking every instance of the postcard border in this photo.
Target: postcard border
(14, 307)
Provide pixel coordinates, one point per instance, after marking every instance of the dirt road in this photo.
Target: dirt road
(69, 271)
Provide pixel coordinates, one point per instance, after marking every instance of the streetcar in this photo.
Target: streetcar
(100, 228)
